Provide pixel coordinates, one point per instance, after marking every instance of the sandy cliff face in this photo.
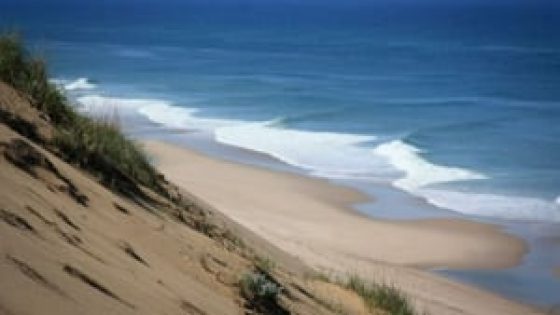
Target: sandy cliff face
(68, 245)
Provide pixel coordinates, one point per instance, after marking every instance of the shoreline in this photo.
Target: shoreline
(381, 249)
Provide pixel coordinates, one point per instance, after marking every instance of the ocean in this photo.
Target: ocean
(459, 106)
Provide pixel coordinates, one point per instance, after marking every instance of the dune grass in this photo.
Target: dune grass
(101, 147)
(262, 293)
(95, 144)
(385, 297)
(29, 75)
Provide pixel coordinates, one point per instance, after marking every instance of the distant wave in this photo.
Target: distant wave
(325, 154)
(420, 175)
(75, 85)
(418, 171)
(480, 100)
(322, 153)
(309, 116)
(519, 49)
(490, 205)
(135, 53)
(159, 111)
(98, 104)
(181, 117)
(497, 48)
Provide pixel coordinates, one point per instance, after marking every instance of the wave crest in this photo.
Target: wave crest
(489, 205)
(79, 84)
(325, 154)
(419, 172)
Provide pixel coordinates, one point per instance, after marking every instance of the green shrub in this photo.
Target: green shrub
(384, 297)
(257, 286)
(262, 293)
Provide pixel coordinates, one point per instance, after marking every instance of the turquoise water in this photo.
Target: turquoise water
(459, 106)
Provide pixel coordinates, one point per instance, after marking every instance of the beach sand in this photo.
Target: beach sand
(313, 220)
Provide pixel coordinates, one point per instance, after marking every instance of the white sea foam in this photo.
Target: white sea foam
(78, 84)
(419, 172)
(326, 154)
(323, 153)
(489, 205)
(158, 111)
(180, 117)
(100, 105)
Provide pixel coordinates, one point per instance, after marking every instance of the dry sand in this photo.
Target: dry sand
(312, 219)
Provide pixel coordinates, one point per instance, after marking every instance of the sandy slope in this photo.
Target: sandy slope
(68, 259)
(310, 219)
(70, 246)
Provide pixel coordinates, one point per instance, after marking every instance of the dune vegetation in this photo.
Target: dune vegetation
(95, 144)
(381, 296)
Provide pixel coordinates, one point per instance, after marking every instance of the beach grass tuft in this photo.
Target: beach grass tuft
(381, 296)
(262, 293)
(28, 74)
(264, 264)
(96, 144)
(101, 147)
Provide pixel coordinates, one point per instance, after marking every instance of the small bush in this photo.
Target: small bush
(256, 285)
(262, 293)
(385, 297)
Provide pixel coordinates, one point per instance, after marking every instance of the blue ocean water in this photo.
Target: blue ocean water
(457, 105)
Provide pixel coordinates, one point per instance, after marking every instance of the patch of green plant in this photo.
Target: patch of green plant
(385, 297)
(261, 293)
(264, 264)
(255, 285)
(234, 239)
